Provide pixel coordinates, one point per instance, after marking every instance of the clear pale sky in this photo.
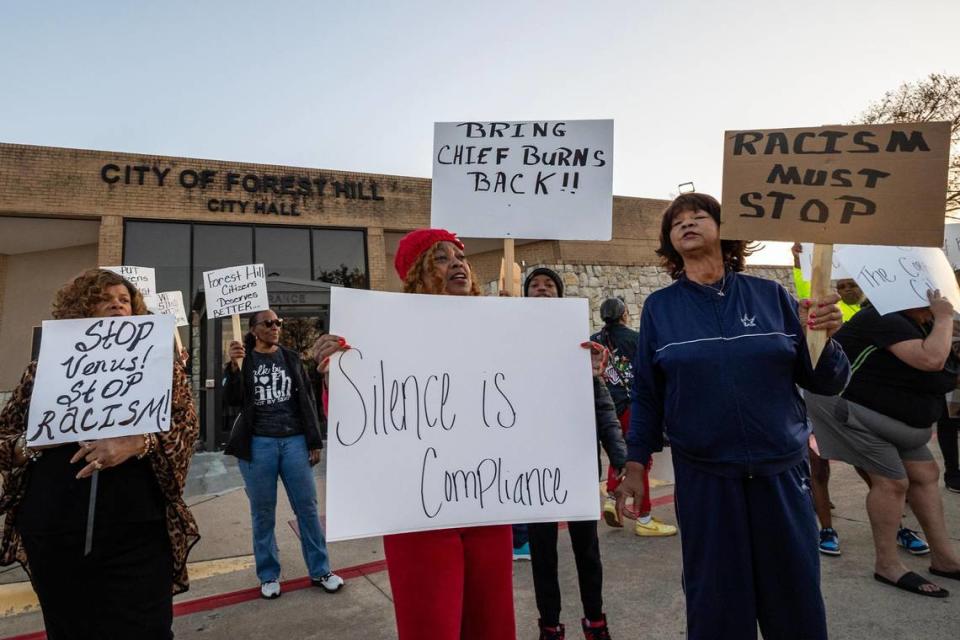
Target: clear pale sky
(357, 85)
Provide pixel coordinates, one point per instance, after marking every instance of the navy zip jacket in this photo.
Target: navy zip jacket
(719, 374)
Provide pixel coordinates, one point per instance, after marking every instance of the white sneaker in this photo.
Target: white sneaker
(270, 590)
(331, 583)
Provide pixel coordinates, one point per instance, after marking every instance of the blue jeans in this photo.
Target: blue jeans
(288, 459)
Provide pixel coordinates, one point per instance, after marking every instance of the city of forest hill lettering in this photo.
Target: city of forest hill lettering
(870, 184)
(102, 378)
(553, 166)
(387, 404)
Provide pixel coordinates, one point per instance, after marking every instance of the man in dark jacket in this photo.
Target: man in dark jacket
(277, 434)
(545, 283)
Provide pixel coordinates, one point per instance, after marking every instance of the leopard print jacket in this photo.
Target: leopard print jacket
(169, 461)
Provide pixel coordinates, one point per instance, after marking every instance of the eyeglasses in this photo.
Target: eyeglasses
(272, 323)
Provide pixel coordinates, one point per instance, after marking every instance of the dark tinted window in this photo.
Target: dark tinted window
(217, 246)
(284, 252)
(340, 257)
(165, 246)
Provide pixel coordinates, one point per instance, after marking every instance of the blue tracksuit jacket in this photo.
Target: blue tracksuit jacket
(719, 374)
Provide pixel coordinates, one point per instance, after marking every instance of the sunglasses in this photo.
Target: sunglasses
(272, 323)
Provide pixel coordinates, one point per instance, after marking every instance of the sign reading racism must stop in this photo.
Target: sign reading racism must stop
(864, 184)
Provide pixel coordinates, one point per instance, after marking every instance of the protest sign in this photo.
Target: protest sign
(896, 278)
(545, 180)
(806, 264)
(490, 420)
(951, 244)
(171, 303)
(101, 378)
(862, 184)
(235, 290)
(143, 278)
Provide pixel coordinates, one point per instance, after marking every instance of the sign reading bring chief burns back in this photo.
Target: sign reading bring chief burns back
(862, 184)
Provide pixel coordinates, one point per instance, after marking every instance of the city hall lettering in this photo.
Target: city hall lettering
(236, 188)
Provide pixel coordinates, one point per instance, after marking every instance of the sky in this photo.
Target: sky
(357, 86)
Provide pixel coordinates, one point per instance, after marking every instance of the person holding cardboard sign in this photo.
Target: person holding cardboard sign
(447, 584)
(124, 588)
(718, 361)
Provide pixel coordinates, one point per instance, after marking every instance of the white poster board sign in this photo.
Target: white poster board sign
(171, 303)
(101, 378)
(143, 278)
(490, 420)
(897, 278)
(546, 180)
(806, 264)
(951, 245)
(235, 290)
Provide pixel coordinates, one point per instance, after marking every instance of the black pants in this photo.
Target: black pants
(947, 438)
(543, 558)
(121, 590)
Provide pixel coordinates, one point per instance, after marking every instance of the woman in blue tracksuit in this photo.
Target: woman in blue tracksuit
(718, 361)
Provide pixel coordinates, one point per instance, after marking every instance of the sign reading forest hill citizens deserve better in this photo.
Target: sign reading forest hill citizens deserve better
(545, 179)
(862, 184)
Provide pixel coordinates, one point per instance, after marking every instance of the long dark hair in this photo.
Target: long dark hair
(734, 252)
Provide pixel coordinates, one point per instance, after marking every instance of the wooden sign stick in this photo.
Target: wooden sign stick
(508, 256)
(237, 333)
(819, 289)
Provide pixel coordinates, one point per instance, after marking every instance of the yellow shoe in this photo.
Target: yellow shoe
(610, 513)
(655, 528)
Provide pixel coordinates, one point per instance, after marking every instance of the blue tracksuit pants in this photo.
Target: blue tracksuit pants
(749, 555)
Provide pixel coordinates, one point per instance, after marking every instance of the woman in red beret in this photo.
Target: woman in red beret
(448, 584)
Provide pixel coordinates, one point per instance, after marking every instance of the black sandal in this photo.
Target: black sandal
(953, 575)
(912, 582)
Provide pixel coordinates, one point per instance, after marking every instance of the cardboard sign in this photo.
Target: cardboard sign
(866, 184)
(951, 245)
(489, 421)
(547, 180)
(143, 278)
(171, 303)
(101, 378)
(896, 278)
(806, 264)
(235, 290)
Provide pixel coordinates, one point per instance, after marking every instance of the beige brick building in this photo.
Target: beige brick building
(66, 210)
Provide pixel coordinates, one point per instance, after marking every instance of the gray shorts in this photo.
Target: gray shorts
(864, 438)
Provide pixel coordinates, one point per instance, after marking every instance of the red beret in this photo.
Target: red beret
(412, 245)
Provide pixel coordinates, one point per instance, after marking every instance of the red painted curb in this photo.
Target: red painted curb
(246, 595)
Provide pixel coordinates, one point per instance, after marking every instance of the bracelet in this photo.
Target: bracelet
(149, 443)
(28, 453)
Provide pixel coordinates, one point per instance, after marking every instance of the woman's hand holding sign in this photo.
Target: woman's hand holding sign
(109, 452)
(325, 346)
(822, 315)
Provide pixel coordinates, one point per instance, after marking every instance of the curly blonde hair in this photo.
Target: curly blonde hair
(423, 277)
(79, 297)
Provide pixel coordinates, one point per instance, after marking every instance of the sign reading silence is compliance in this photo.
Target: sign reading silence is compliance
(864, 184)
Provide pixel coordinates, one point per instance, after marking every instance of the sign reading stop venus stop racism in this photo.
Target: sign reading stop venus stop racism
(863, 184)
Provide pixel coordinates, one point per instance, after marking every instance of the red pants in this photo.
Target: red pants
(452, 584)
(612, 481)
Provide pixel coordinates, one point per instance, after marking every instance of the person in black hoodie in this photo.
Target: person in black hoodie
(621, 341)
(277, 434)
(545, 283)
